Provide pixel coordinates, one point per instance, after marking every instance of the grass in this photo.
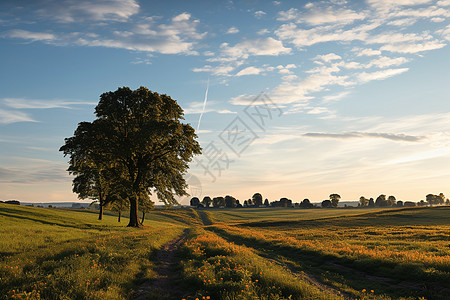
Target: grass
(229, 254)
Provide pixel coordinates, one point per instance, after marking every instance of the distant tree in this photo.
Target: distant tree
(431, 199)
(371, 203)
(230, 201)
(250, 203)
(257, 199)
(391, 201)
(119, 205)
(195, 202)
(421, 203)
(218, 202)
(447, 202)
(399, 203)
(363, 201)
(409, 204)
(326, 204)
(306, 204)
(334, 198)
(14, 202)
(146, 204)
(245, 203)
(285, 202)
(441, 198)
(381, 201)
(206, 201)
(266, 202)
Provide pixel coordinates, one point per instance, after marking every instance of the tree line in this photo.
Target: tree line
(332, 202)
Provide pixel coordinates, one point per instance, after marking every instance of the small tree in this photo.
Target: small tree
(266, 202)
(119, 204)
(218, 202)
(306, 204)
(194, 202)
(326, 204)
(230, 201)
(371, 203)
(206, 201)
(285, 202)
(257, 199)
(335, 199)
(391, 201)
(381, 201)
(146, 204)
(363, 201)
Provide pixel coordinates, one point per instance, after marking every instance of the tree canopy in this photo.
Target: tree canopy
(138, 139)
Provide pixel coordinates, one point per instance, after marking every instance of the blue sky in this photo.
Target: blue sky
(304, 98)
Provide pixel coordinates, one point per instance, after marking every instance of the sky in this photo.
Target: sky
(291, 99)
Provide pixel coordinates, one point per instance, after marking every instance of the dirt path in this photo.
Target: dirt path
(163, 287)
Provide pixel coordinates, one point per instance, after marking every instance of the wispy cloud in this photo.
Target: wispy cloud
(30, 36)
(22, 103)
(249, 71)
(101, 10)
(352, 135)
(232, 30)
(13, 116)
(148, 34)
(380, 75)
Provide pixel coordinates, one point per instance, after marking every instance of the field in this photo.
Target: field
(226, 254)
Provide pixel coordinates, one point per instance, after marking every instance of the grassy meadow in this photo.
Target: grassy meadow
(276, 253)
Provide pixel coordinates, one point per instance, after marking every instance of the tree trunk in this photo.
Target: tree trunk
(100, 213)
(143, 217)
(134, 219)
(120, 212)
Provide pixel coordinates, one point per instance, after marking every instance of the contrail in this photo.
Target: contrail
(204, 105)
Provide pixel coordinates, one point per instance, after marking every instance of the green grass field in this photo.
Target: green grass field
(228, 254)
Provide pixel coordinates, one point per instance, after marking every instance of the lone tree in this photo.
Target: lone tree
(141, 142)
(334, 198)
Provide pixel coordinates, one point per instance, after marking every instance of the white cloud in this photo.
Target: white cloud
(262, 46)
(32, 36)
(402, 22)
(232, 30)
(22, 103)
(101, 10)
(197, 108)
(9, 117)
(276, 3)
(414, 47)
(179, 36)
(366, 52)
(445, 33)
(317, 15)
(263, 31)
(249, 71)
(385, 61)
(259, 14)
(217, 70)
(390, 4)
(444, 3)
(327, 57)
(380, 75)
